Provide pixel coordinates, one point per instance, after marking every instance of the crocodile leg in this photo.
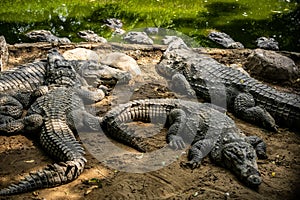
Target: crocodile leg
(91, 121)
(31, 122)
(244, 106)
(10, 106)
(199, 150)
(79, 119)
(181, 85)
(91, 96)
(10, 125)
(177, 81)
(177, 120)
(259, 146)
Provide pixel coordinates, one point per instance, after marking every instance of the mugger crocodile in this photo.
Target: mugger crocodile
(56, 115)
(246, 97)
(206, 129)
(18, 85)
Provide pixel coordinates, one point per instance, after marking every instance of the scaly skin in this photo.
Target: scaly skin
(227, 87)
(20, 82)
(206, 129)
(27, 77)
(18, 86)
(56, 115)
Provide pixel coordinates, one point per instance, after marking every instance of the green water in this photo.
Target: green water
(243, 20)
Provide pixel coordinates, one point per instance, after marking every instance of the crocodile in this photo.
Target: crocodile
(97, 74)
(28, 77)
(249, 99)
(56, 115)
(208, 130)
(17, 85)
(46, 36)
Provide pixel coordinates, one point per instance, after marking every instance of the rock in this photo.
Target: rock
(240, 68)
(113, 23)
(119, 31)
(3, 54)
(116, 25)
(91, 36)
(138, 38)
(46, 36)
(151, 30)
(225, 40)
(271, 66)
(170, 38)
(267, 43)
(81, 54)
(174, 42)
(123, 62)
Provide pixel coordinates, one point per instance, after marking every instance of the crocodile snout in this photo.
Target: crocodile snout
(254, 180)
(251, 176)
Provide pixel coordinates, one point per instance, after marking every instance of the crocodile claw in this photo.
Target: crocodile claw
(191, 164)
(177, 142)
(194, 164)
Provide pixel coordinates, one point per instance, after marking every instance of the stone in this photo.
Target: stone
(116, 25)
(46, 36)
(267, 43)
(3, 54)
(122, 62)
(119, 31)
(138, 38)
(240, 68)
(271, 66)
(81, 54)
(113, 23)
(152, 30)
(91, 36)
(225, 40)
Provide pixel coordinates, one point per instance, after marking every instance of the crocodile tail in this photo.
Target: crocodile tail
(52, 175)
(114, 122)
(119, 131)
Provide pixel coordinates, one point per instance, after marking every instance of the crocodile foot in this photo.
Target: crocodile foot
(191, 164)
(176, 142)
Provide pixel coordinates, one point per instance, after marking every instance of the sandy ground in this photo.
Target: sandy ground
(20, 154)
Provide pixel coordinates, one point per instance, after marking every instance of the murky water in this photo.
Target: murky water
(243, 20)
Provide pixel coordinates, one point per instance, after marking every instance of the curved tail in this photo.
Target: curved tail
(52, 175)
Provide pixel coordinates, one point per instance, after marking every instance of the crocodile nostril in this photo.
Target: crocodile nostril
(254, 180)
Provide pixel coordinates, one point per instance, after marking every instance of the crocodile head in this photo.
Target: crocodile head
(59, 71)
(240, 158)
(95, 73)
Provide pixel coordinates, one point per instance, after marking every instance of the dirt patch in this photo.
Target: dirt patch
(20, 154)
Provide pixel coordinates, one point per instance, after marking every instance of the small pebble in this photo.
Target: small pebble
(195, 194)
(273, 174)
